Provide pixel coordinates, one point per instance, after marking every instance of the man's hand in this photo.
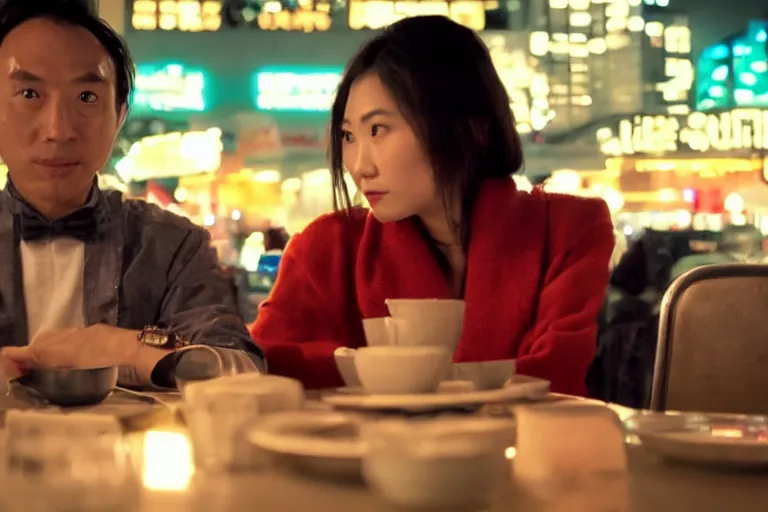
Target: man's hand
(96, 346)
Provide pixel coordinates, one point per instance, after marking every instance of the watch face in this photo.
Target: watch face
(155, 339)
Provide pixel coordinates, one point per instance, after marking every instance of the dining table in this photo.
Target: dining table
(651, 485)
(170, 481)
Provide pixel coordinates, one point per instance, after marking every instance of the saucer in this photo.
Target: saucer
(448, 396)
(722, 440)
(318, 442)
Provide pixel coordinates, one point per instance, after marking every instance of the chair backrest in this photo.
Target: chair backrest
(712, 353)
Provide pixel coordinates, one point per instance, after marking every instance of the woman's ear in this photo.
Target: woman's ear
(480, 131)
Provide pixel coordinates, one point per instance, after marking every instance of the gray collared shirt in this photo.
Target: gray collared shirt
(146, 266)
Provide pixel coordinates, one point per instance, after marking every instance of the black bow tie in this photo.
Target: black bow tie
(81, 225)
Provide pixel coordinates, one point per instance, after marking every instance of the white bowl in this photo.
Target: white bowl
(401, 370)
(444, 463)
(485, 374)
(345, 362)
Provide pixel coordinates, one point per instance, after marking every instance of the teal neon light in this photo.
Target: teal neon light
(734, 73)
(169, 88)
(295, 89)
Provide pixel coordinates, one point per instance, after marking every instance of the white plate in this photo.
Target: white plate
(309, 433)
(519, 387)
(708, 439)
(317, 442)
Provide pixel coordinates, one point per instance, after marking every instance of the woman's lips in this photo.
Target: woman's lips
(374, 197)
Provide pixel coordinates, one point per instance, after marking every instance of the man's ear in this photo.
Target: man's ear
(121, 117)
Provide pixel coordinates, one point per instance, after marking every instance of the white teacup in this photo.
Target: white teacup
(401, 370)
(426, 322)
(420, 308)
(379, 332)
(569, 442)
(437, 463)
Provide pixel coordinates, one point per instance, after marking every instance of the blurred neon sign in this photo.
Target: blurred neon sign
(172, 154)
(305, 17)
(295, 90)
(377, 14)
(185, 15)
(737, 129)
(169, 88)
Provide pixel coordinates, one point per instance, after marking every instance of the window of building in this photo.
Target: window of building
(677, 39)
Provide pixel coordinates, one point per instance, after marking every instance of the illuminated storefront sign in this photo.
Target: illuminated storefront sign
(209, 15)
(377, 14)
(299, 90)
(169, 88)
(172, 154)
(309, 18)
(185, 15)
(739, 129)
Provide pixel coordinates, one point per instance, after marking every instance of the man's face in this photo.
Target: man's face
(58, 115)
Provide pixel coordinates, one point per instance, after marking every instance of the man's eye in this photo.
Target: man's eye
(87, 97)
(29, 94)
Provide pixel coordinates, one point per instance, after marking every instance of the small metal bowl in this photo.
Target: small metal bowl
(72, 388)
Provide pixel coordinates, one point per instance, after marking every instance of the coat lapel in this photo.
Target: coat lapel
(13, 319)
(506, 261)
(394, 262)
(102, 270)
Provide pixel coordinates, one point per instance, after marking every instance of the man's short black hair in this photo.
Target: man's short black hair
(75, 12)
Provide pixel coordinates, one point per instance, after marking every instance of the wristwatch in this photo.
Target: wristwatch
(154, 336)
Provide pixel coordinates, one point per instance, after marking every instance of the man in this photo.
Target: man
(88, 279)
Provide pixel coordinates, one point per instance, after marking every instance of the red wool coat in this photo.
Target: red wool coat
(537, 270)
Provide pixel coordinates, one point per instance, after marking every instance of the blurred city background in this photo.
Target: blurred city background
(658, 106)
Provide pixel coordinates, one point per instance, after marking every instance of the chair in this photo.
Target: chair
(712, 353)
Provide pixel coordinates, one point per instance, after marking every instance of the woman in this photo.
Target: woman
(422, 123)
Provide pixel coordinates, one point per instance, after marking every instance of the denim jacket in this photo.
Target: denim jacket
(145, 267)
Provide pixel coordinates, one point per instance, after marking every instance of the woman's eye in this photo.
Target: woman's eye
(377, 129)
(87, 97)
(346, 136)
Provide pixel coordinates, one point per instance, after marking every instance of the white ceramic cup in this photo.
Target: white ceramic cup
(378, 332)
(401, 370)
(218, 414)
(569, 441)
(415, 308)
(426, 322)
(437, 463)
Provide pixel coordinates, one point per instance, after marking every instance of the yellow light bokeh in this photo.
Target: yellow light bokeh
(167, 463)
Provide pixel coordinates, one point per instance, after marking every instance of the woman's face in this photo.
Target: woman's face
(385, 158)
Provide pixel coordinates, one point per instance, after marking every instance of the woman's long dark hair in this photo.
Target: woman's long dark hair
(441, 76)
